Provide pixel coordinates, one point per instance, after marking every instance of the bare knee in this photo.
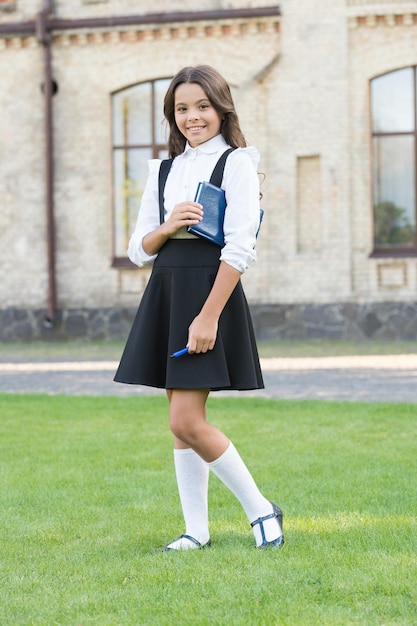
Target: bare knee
(187, 415)
(184, 427)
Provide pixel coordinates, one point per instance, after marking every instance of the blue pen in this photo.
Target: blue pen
(180, 352)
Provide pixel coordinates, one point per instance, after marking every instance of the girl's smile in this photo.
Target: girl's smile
(195, 116)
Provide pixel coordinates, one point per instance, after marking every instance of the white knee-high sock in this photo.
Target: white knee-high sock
(232, 471)
(192, 479)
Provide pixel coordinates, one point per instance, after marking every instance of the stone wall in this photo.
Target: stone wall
(389, 321)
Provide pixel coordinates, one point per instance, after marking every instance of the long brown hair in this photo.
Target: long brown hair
(218, 92)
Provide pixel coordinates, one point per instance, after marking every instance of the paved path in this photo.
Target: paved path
(367, 378)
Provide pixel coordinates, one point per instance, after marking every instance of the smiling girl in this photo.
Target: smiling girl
(195, 298)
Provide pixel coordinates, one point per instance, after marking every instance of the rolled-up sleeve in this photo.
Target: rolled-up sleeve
(148, 217)
(241, 220)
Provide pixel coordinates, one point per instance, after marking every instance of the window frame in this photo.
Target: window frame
(154, 147)
(394, 251)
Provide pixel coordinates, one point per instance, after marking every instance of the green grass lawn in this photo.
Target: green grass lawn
(88, 491)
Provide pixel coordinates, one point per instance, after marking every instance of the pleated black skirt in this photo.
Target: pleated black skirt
(181, 279)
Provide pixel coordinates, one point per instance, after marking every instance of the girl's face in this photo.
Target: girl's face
(195, 116)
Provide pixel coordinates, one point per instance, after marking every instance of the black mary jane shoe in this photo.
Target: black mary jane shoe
(198, 545)
(279, 541)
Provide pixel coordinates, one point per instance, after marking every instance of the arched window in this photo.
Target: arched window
(394, 148)
(139, 133)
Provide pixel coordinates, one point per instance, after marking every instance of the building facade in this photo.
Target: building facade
(325, 89)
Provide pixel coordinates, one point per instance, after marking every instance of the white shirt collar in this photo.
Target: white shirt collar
(209, 147)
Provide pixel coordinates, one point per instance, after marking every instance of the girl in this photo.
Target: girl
(194, 298)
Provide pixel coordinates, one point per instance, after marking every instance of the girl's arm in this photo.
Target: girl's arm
(240, 226)
(202, 332)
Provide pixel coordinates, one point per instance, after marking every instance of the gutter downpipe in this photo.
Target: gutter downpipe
(44, 38)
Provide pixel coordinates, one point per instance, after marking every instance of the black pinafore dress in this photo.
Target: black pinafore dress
(182, 276)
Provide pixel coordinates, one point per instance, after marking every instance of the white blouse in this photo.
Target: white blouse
(241, 185)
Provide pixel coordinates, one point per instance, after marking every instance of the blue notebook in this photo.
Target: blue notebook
(213, 200)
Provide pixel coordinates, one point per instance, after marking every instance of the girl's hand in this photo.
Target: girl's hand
(202, 334)
(183, 214)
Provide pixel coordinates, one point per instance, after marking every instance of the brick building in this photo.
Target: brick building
(326, 90)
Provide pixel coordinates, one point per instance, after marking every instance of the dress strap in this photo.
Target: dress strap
(215, 179)
(163, 175)
(217, 175)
